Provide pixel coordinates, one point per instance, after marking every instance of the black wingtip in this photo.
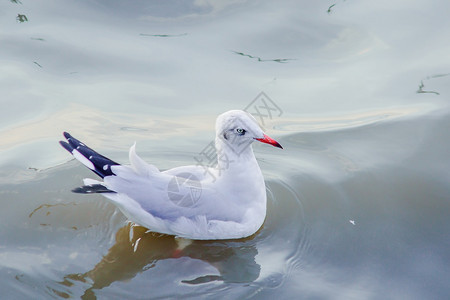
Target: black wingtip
(66, 135)
(92, 189)
(101, 165)
(66, 146)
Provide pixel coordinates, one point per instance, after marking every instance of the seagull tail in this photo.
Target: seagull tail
(96, 162)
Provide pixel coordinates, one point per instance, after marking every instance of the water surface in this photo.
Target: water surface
(358, 200)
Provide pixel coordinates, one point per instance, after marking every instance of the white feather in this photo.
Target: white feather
(82, 159)
(231, 198)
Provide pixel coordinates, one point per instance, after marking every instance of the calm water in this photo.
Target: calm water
(358, 200)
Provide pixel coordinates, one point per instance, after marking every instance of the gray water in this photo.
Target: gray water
(357, 92)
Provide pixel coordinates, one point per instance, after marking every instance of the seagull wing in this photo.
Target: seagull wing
(183, 201)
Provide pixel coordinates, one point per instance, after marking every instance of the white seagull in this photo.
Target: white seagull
(193, 202)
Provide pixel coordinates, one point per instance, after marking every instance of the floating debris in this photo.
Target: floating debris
(38, 39)
(49, 206)
(422, 85)
(278, 60)
(163, 35)
(352, 222)
(421, 91)
(21, 18)
(16, 1)
(37, 64)
(329, 8)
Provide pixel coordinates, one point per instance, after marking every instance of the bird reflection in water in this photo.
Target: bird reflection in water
(137, 250)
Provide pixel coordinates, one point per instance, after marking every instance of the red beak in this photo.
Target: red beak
(269, 140)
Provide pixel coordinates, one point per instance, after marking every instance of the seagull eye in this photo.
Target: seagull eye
(240, 131)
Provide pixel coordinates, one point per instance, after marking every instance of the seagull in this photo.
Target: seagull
(198, 202)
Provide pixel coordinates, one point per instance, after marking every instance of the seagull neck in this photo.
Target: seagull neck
(229, 157)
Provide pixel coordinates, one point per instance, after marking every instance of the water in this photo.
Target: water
(358, 200)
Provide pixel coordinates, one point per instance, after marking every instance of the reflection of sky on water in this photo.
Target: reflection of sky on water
(363, 87)
(93, 53)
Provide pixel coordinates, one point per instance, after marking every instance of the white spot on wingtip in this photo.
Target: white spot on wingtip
(105, 167)
(82, 159)
(90, 157)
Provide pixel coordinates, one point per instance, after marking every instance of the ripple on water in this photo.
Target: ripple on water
(205, 267)
(89, 248)
(344, 121)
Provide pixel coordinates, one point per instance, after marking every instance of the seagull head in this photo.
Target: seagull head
(238, 128)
